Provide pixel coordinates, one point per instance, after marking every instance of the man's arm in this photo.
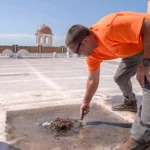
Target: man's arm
(92, 84)
(143, 71)
(145, 33)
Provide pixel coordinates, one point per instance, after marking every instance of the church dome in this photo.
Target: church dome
(43, 29)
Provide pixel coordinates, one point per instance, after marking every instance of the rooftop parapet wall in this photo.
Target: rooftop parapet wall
(34, 49)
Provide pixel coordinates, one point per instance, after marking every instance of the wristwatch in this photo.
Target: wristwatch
(146, 62)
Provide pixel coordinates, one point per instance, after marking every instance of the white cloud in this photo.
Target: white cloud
(28, 36)
(16, 35)
(59, 37)
(27, 39)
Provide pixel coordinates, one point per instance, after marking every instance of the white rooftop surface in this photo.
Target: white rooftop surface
(41, 82)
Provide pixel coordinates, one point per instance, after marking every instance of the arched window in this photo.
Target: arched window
(41, 41)
(46, 39)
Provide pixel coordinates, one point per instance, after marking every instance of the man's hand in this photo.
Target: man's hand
(84, 108)
(141, 73)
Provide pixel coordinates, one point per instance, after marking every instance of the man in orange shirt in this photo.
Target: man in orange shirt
(123, 35)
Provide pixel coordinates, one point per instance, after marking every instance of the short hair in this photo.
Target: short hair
(76, 33)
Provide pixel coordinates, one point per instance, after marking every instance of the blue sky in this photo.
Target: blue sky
(21, 18)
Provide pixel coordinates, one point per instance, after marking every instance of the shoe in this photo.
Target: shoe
(132, 144)
(125, 106)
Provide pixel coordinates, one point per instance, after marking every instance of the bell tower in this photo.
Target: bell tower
(44, 36)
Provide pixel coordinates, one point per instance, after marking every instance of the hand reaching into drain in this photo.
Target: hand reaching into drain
(84, 109)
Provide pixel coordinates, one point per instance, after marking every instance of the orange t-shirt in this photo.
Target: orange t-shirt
(118, 37)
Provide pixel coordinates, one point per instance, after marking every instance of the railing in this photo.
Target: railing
(16, 51)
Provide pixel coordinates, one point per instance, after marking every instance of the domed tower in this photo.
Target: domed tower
(44, 36)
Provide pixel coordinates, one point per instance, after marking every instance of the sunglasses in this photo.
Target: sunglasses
(77, 50)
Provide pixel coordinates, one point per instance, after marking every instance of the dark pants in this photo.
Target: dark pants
(141, 127)
(127, 69)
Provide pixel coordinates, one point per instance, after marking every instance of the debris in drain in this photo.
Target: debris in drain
(62, 125)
